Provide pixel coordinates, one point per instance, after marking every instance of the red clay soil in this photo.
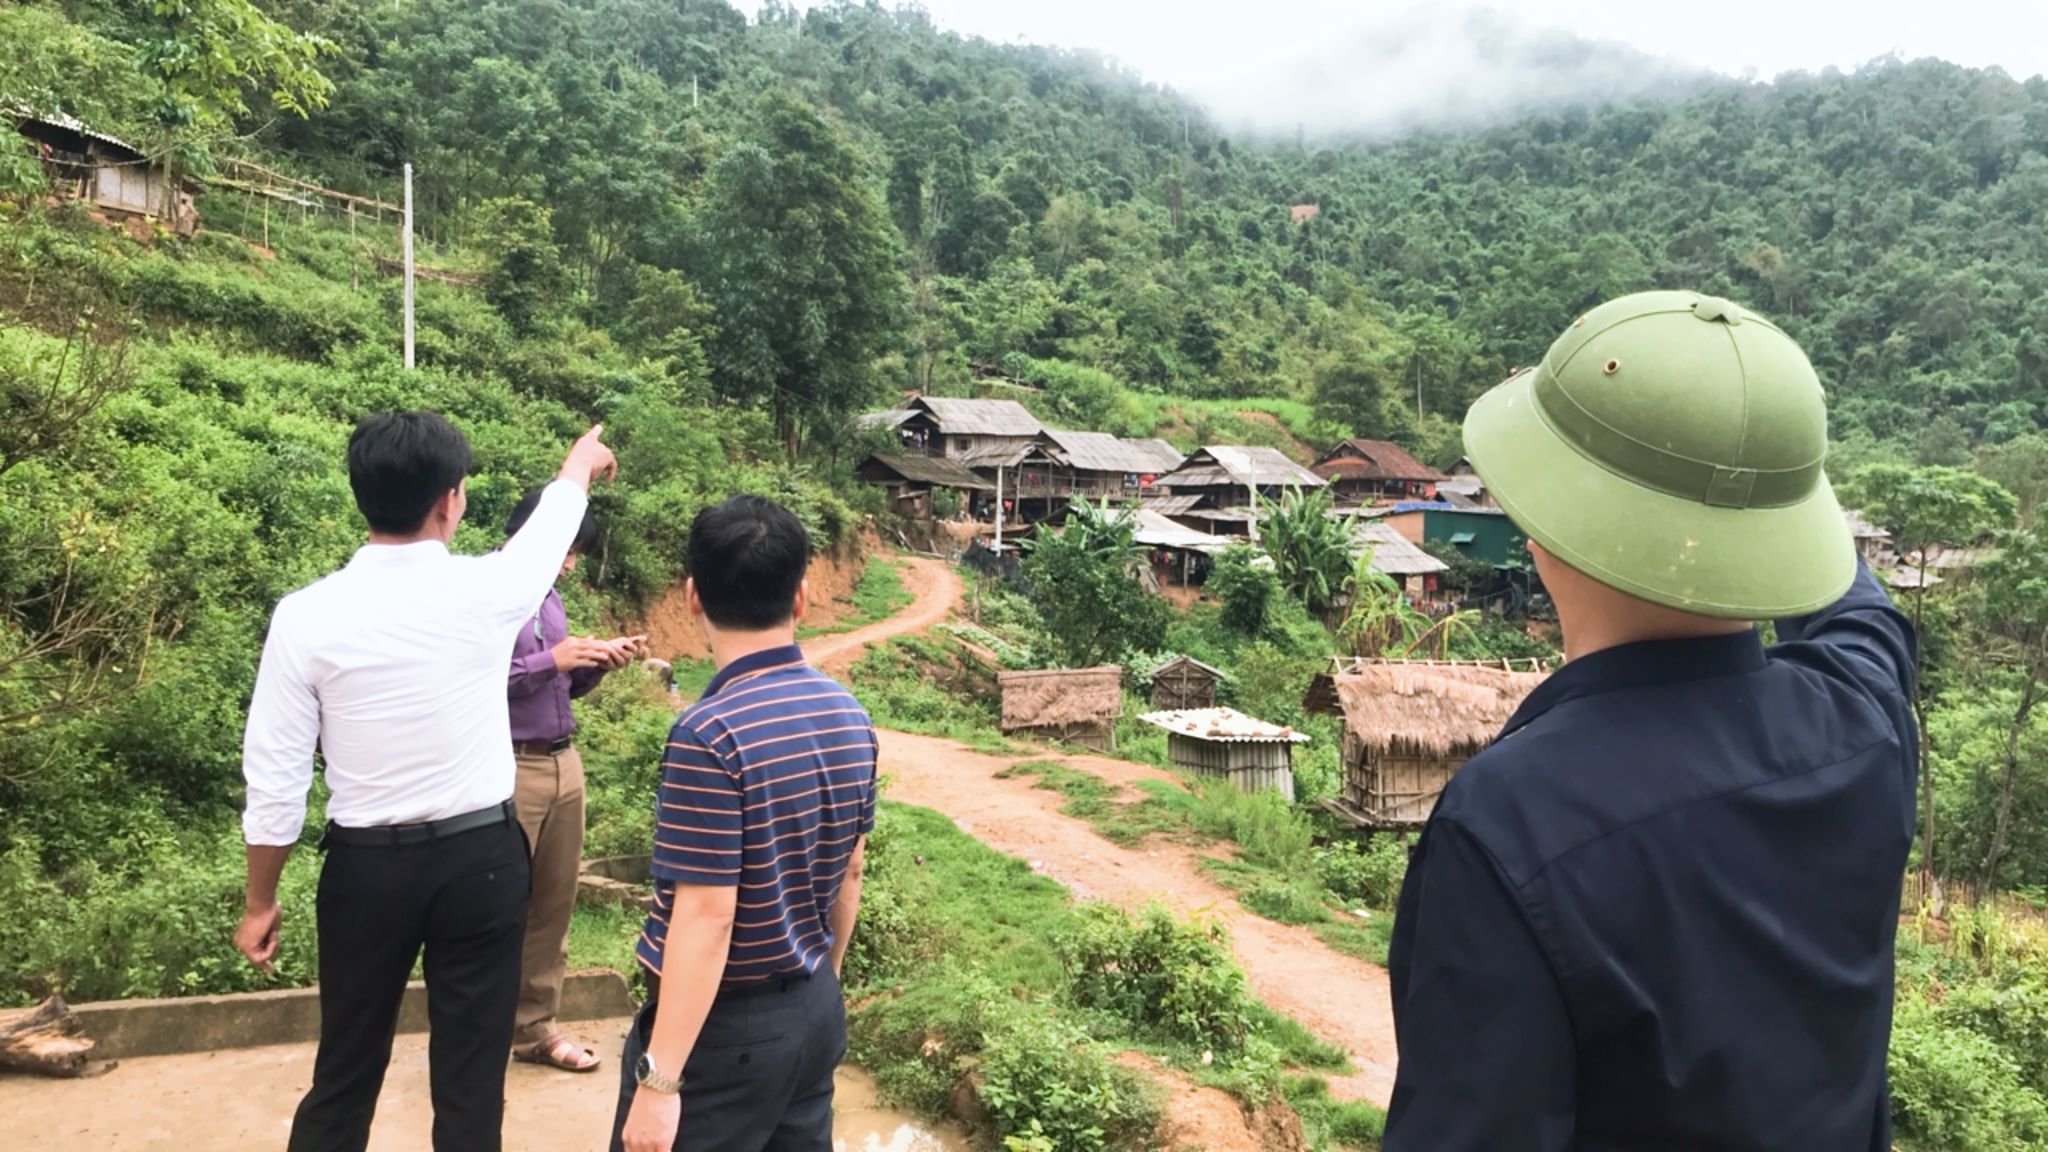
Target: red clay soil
(935, 591)
(1340, 999)
(673, 635)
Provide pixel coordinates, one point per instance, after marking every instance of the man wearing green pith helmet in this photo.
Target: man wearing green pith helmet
(1657, 913)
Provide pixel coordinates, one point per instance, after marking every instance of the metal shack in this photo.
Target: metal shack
(1228, 745)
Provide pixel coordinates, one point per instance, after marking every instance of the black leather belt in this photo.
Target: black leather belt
(394, 835)
(542, 747)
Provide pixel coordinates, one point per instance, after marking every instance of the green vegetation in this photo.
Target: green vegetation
(877, 595)
(968, 964)
(722, 237)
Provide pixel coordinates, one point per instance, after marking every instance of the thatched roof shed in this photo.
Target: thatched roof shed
(1409, 725)
(1437, 710)
(1077, 704)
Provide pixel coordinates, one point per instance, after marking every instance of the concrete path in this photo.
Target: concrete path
(243, 1099)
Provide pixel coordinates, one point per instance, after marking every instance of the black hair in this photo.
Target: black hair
(400, 463)
(586, 533)
(747, 556)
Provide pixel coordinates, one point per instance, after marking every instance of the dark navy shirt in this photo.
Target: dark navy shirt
(1657, 913)
(768, 783)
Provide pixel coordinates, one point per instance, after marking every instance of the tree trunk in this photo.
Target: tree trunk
(1927, 887)
(49, 1040)
(2003, 823)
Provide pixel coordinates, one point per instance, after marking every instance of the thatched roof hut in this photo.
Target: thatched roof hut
(1408, 725)
(1079, 705)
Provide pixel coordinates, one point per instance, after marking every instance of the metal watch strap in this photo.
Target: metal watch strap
(649, 1077)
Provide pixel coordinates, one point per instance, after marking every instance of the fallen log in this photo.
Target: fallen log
(48, 1040)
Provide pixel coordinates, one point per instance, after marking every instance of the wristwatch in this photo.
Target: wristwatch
(650, 1078)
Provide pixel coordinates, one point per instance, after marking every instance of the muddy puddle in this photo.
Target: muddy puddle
(862, 1124)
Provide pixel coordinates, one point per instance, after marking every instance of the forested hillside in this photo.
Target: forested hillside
(1059, 219)
(725, 235)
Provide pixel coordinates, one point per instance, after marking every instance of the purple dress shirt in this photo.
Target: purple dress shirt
(538, 694)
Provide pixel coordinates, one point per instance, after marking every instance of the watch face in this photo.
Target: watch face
(643, 1068)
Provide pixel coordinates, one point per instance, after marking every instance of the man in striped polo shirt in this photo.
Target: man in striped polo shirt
(767, 796)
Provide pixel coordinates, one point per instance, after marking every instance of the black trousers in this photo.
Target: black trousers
(760, 1077)
(462, 899)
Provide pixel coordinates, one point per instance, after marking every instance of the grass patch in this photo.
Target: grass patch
(1126, 823)
(693, 675)
(1276, 872)
(603, 935)
(878, 595)
(967, 960)
(1327, 1121)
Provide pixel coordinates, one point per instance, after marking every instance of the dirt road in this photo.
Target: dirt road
(1342, 1000)
(936, 592)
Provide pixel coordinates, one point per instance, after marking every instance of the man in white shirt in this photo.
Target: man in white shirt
(395, 667)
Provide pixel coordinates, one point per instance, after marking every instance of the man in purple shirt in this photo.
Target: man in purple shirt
(549, 668)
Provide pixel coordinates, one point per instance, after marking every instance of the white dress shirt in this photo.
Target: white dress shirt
(395, 666)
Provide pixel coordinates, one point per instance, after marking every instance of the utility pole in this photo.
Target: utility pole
(408, 267)
(693, 90)
(998, 549)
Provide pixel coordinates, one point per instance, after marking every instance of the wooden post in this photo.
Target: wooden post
(354, 254)
(408, 267)
(266, 221)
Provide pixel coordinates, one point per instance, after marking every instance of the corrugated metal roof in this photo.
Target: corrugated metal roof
(1156, 531)
(1862, 528)
(1223, 726)
(69, 124)
(888, 418)
(1003, 454)
(1165, 457)
(1374, 460)
(1241, 464)
(1101, 452)
(931, 470)
(1170, 505)
(1392, 553)
(958, 417)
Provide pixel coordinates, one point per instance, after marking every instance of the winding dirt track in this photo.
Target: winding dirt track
(1343, 1000)
(936, 592)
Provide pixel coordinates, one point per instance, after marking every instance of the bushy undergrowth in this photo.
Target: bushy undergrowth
(1969, 1051)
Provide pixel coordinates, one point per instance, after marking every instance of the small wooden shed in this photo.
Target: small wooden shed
(1229, 745)
(1075, 705)
(1184, 682)
(1409, 725)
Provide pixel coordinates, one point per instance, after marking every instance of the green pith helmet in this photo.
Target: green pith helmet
(1670, 445)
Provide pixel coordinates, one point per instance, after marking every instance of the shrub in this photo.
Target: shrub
(1044, 1078)
(1369, 876)
(1956, 1091)
(1178, 979)
(897, 931)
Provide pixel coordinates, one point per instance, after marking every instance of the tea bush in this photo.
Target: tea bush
(1044, 1077)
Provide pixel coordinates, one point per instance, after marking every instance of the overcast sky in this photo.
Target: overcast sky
(1333, 63)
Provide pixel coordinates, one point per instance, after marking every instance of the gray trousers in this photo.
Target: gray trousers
(760, 1077)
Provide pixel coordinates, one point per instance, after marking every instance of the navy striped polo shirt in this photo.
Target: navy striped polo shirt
(768, 783)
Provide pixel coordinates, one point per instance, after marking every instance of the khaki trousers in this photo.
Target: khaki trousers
(548, 798)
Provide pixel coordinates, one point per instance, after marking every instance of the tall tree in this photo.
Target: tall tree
(2015, 583)
(794, 254)
(1924, 508)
